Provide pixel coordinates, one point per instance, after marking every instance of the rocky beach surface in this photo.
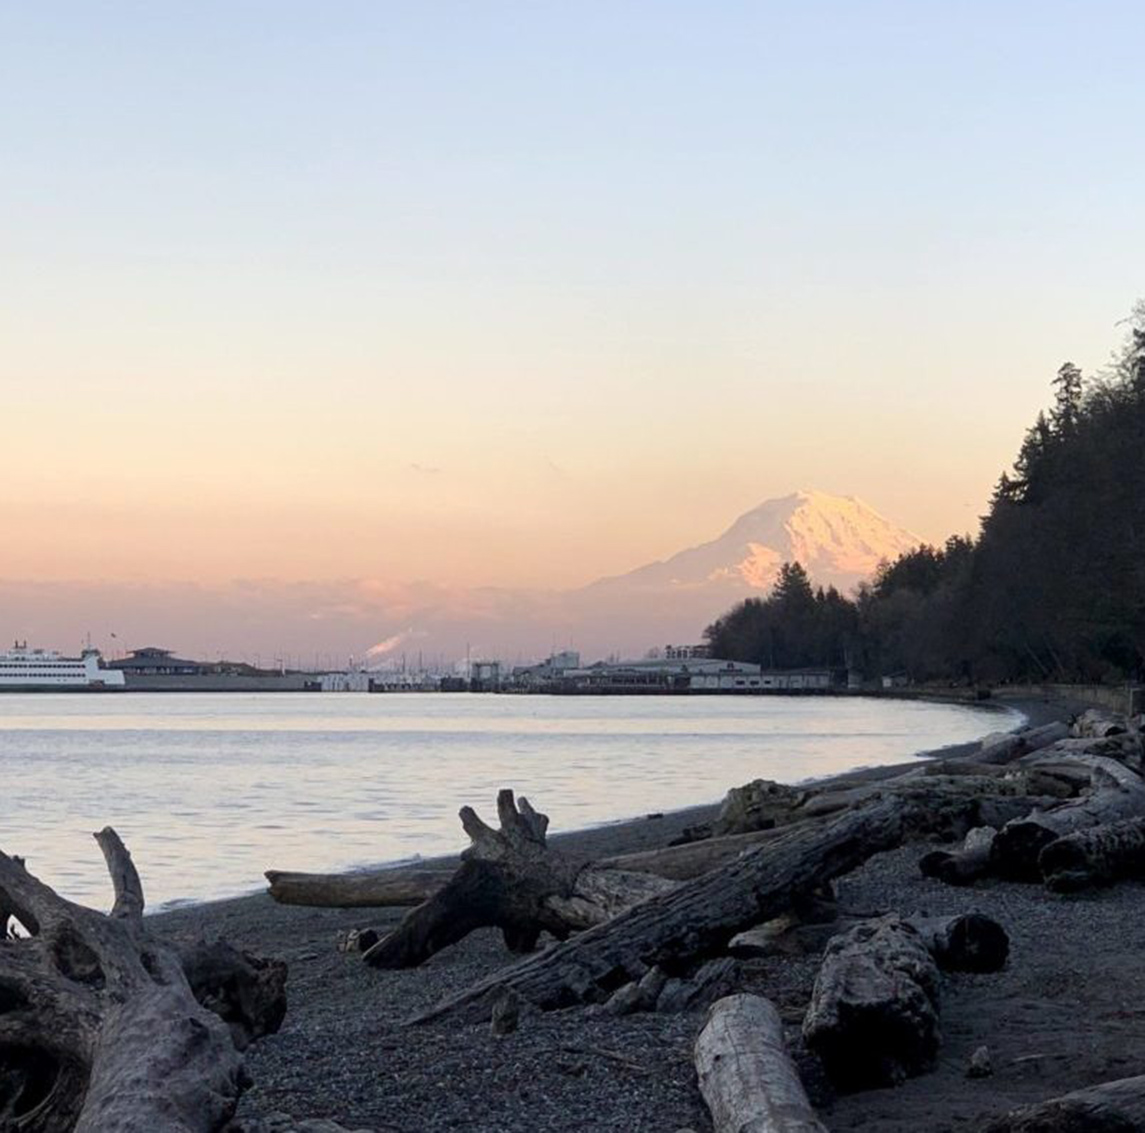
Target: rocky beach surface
(1063, 1013)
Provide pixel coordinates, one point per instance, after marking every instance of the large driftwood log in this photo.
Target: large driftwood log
(746, 1076)
(679, 929)
(512, 879)
(1096, 856)
(1117, 793)
(1112, 1107)
(99, 1028)
(873, 1016)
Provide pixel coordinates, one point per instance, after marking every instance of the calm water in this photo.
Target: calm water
(210, 790)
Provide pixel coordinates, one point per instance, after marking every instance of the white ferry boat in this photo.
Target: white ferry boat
(41, 670)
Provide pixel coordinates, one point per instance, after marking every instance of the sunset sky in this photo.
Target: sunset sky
(526, 293)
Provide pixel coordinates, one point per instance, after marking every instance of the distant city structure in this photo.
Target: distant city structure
(152, 669)
(686, 652)
(681, 669)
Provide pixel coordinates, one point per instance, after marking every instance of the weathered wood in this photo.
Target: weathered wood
(758, 805)
(1005, 748)
(1099, 723)
(1117, 793)
(1096, 856)
(710, 982)
(873, 1016)
(412, 885)
(99, 1028)
(963, 864)
(746, 1076)
(1112, 1107)
(373, 889)
(512, 879)
(247, 992)
(681, 928)
(684, 861)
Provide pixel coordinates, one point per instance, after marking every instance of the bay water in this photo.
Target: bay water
(210, 790)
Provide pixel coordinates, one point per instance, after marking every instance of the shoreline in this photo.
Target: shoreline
(638, 832)
(344, 1052)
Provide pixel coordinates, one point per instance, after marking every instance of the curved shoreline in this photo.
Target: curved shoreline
(344, 1053)
(648, 831)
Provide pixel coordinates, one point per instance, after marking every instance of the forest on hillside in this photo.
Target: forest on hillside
(1052, 588)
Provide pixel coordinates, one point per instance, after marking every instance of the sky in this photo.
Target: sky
(526, 293)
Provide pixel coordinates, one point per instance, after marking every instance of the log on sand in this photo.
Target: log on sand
(964, 864)
(1112, 1107)
(512, 879)
(1117, 793)
(746, 1076)
(1098, 855)
(680, 929)
(1005, 748)
(100, 1029)
(373, 889)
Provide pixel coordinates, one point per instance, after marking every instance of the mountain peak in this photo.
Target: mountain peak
(840, 540)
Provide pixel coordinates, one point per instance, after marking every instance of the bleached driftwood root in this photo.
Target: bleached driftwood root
(100, 1029)
(513, 879)
(746, 1076)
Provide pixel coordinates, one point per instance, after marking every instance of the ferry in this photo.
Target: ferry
(42, 670)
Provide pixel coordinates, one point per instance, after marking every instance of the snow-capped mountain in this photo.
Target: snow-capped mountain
(839, 540)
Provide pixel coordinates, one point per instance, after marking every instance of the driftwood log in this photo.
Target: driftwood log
(100, 1028)
(873, 1015)
(411, 885)
(1116, 793)
(368, 889)
(1112, 1107)
(965, 863)
(1007, 747)
(1096, 856)
(513, 879)
(746, 1076)
(680, 929)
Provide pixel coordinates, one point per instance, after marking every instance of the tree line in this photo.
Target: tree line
(1052, 588)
